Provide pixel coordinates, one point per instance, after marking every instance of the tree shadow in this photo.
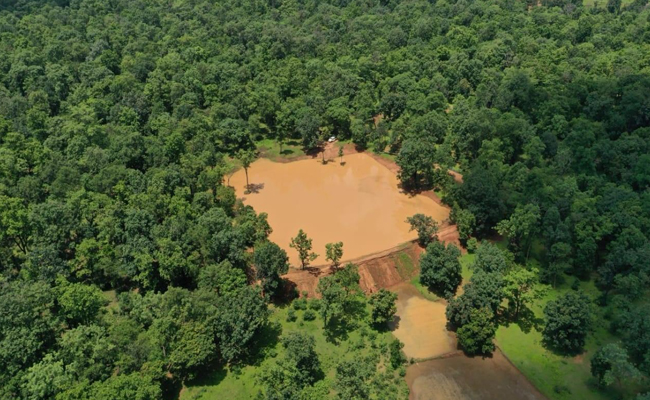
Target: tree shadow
(359, 148)
(288, 292)
(255, 187)
(343, 163)
(482, 356)
(392, 325)
(526, 320)
(315, 271)
(269, 337)
(287, 152)
(171, 388)
(313, 153)
(338, 329)
(209, 377)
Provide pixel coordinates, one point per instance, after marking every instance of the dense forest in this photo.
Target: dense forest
(119, 118)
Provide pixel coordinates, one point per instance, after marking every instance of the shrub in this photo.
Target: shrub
(472, 245)
(299, 304)
(309, 315)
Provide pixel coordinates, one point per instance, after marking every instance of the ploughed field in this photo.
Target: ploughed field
(357, 203)
(458, 377)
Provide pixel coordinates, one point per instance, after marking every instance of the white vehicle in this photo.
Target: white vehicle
(332, 139)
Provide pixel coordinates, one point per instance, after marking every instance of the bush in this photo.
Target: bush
(476, 337)
(299, 304)
(472, 245)
(309, 315)
(440, 269)
(568, 320)
(396, 356)
(291, 315)
(314, 304)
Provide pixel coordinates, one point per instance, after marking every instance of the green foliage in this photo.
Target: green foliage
(113, 154)
(610, 365)
(426, 227)
(80, 304)
(568, 320)
(521, 288)
(472, 245)
(415, 159)
(193, 350)
(440, 269)
(309, 315)
(484, 290)
(397, 357)
(242, 316)
(222, 278)
(633, 325)
(383, 307)
(270, 261)
(520, 227)
(340, 303)
(477, 335)
(300, 351)
(302, 244)
(334, 253)
(352, 379)
(489, 258)
(465, 222)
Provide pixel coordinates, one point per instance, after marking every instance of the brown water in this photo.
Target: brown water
(421, 324)
(464, 378)
(358, 203)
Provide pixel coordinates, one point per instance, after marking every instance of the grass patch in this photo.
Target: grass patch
(406, 266)
(111, 297)
(270, 148)
(385, 155)
(361, 342)
(424, 291)
(556, 376)
(466, 260)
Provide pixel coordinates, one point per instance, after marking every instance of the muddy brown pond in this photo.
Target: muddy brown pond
(358, 203)
(420, 324)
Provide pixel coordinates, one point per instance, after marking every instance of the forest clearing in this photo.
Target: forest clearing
(357, 203)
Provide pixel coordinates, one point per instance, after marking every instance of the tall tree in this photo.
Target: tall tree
(477, 335)
(270, 262)
(440, 269)
(246, 157)
(568, 320)
(334, 253)
(383, 307)
(521, 288)
(426, 227)
(520, 227)
(302, 244)
(610, 364)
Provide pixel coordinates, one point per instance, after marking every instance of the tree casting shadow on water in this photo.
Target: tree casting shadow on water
(255, 188)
